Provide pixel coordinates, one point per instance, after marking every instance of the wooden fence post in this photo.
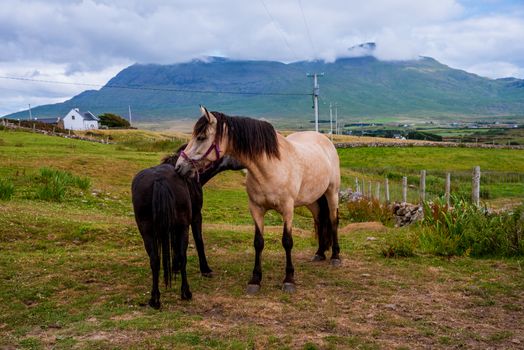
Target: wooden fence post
(387, 190)
(370, 190)
(404, 189)
(378, 191)
(357, 187)
(448, 188)
(475, 186)
(422, 186)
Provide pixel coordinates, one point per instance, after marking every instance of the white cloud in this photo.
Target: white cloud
(91, 39)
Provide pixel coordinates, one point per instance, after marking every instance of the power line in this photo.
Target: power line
(146, 88)
(279, 28)
(307, 28)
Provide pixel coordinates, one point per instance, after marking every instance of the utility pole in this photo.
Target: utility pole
(331, 119)
(129, 112)
(30, 116)
(316, 90)
(336, 118)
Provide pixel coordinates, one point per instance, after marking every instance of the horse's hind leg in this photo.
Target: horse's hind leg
(196, 227)
(332, 199)
(182, 237)
(287, 243)
(258, 216)
(154, 262)
(320, 255)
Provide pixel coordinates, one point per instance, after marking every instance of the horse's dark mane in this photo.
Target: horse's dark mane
(249, 137)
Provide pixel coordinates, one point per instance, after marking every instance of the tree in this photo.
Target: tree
(113, 121)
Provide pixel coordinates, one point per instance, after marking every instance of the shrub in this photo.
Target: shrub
(55, 184)
(363, 210)
(399, 243)
(113, 121)
(469, 230)
(7, 189)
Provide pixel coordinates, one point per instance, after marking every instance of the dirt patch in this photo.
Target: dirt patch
(372, 226)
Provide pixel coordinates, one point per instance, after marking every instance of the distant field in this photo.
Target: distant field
(74, 273)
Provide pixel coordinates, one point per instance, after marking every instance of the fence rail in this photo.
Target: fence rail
(472, 185)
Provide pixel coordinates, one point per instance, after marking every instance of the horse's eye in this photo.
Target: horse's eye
(201, 138)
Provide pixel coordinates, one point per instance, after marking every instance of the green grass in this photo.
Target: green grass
(503, 169)
(75, 274)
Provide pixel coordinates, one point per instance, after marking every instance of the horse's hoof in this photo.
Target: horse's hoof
(186, 295)
(336, 262)
(318, 258)
(154, 304)
(252, 289)
(207, 274)
(289, 287)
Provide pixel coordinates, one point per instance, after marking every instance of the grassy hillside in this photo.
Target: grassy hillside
(74, 272)
(364, 87)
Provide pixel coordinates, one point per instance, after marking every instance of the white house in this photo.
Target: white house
(76, 120)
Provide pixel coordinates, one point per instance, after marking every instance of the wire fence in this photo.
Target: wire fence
(471, 185)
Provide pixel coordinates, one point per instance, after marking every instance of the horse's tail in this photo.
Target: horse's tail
(163, 219)
(325, 228)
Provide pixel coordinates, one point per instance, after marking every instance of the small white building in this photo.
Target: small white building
(76, 120)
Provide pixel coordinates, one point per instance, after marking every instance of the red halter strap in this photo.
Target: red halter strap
(194, 162)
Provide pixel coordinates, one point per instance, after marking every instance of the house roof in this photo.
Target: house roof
(85, 115)
(48, 120)
(90, 116)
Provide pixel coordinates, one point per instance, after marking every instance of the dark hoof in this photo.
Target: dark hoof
(154, 304)
(207, 274)
(252, 289)
(336, 262)
(289, 287)
(318, 258)
(186, 295)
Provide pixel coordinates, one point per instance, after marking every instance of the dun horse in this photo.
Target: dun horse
(165, 204)
(301, 169)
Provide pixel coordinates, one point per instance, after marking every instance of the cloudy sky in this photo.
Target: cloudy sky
(74, 41)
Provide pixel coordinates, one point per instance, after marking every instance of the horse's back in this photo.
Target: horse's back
(313, 146)
(142, 189)
(317, 158)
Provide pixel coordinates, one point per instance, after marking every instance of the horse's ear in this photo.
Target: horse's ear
(209, 116)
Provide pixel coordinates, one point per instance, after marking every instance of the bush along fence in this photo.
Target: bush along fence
(450, 223)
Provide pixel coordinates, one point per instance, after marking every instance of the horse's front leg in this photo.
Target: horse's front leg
(257, 213)
(287, 243)
(182, 235)
(196, 227)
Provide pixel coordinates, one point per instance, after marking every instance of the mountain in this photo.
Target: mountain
(364, 88)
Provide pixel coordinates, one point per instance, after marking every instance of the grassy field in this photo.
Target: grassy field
(74, 274)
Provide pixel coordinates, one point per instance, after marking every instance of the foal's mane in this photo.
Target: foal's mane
(172, 158)
(248, 137)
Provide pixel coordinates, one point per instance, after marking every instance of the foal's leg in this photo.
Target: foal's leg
(287, 243)
(315, 211)
(332, 198)
(182, 236)
(257, 213)
(196, 227)
(154, 263)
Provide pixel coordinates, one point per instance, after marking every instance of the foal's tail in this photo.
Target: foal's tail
(325, 228)
(163, 219)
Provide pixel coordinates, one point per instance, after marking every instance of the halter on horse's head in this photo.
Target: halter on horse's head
(204, 149)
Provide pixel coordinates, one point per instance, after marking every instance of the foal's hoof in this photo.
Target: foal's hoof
(318, 258)
(207, 274)
(186, 295)
(155, 304)
(289, 287)
(336, 262)
(252, 289)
